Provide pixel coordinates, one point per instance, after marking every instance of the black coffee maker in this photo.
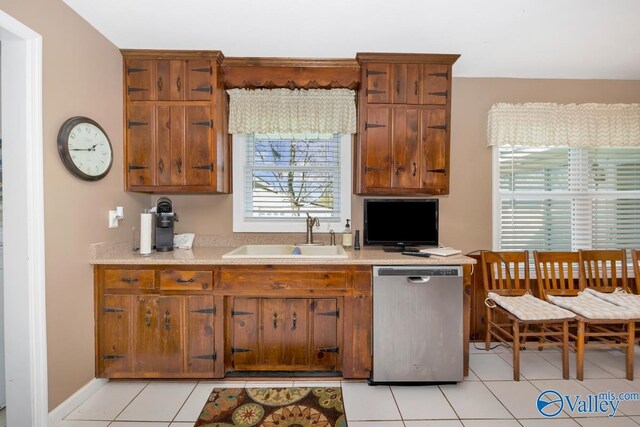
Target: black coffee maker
(165, 218)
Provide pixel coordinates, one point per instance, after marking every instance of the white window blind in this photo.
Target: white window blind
(290, 175)
(563, 199)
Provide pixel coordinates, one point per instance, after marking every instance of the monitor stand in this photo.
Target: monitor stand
(399, 248)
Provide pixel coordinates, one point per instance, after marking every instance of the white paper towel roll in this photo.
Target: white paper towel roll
(146, 224)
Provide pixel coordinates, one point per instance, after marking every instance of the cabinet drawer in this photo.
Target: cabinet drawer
(128, 279)
(265, 281)
(177, 280)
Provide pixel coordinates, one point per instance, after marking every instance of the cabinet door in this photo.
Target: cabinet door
(435, 84)
(114, 346)
(199, 75)
(405, 84)
(284, 333)
(435, 168)
(245, 333)
(170, 80)
(378, 83)
(170, 145)
(199, 165)
(159, 335)
(377, 148)
(140, 148)
(324, 347)
(295, 327)
(201, 353)
(406, 148)
(140, 79)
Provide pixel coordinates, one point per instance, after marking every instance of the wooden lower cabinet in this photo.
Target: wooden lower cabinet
(292, 334)
(205, 321)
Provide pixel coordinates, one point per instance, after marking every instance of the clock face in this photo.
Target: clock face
(85, 148)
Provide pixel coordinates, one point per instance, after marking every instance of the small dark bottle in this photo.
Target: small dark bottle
(356, 242)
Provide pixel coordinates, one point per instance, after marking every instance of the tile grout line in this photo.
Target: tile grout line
(449, 403)
(397, 406)
(183, 403)
(496, 397)
(131, 401)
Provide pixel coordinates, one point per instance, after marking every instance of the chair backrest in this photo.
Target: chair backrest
(635, 257)
(603, 270)
(557, 273)
(506, 273)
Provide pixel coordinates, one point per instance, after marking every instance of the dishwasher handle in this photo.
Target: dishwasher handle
(418, 279)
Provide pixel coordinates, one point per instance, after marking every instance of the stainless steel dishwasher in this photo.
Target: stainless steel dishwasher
(417, 324)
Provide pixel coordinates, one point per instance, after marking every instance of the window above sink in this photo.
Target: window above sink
(279, 178)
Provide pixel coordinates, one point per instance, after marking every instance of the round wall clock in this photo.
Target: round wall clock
(85, 148)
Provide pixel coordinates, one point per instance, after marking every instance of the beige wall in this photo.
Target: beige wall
(82, 75)
(465, 214)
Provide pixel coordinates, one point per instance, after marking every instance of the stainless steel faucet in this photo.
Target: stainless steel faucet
(332, 235)
(311, 222)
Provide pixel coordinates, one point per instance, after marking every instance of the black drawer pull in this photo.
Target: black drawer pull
(130, 280)
(183, 281)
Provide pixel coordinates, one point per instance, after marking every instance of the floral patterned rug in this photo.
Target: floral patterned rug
(274, 407)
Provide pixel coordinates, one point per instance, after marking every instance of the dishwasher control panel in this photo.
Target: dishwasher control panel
(418, 271)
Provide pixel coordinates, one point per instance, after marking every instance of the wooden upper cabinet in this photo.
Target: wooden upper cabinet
(377, 78)
(176, 140)
(403, 145)
(435, 151)
(435, 84)
(140, 79)
(199, 74)
(377, 157)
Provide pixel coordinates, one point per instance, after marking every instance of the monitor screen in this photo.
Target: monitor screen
(401, 222)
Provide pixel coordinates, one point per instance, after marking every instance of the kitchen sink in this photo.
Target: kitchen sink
(286, 251)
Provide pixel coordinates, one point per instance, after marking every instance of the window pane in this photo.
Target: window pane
(536, 225)
(534, 169)
(291, 175)
(616, 223)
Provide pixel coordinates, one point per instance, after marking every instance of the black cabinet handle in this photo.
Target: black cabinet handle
(160, 84)
(415, 168)
(167, 320)
(130, 280)
(183, 281)
(147, 318)
(275, 320)
(295, 321)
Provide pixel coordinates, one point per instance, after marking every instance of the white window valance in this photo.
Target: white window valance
(292, 111)
(572, 125)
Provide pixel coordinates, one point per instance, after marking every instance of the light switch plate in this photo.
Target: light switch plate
(113, 219)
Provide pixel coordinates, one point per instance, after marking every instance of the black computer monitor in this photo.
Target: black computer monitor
(398, 223)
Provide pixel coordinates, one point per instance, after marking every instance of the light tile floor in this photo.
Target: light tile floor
(487, 398)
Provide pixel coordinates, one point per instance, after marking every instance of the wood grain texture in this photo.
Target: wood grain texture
(179, 143)
(291, 73)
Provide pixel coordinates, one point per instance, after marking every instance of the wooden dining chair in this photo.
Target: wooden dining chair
(556, 274)
(635, 260)
(604, 270)
(506, 274)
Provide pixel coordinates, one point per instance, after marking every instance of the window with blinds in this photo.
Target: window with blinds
(564, 199)
(290, 175)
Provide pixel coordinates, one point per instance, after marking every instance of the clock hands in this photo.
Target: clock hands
(84, 149)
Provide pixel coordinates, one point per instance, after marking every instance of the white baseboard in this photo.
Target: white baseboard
(66, 407)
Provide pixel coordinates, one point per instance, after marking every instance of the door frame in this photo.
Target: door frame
(23, 193)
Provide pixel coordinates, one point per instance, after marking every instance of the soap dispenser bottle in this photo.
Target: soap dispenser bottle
(347, 237)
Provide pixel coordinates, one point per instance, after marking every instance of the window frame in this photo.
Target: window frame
(273, 225)
(497, 205)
